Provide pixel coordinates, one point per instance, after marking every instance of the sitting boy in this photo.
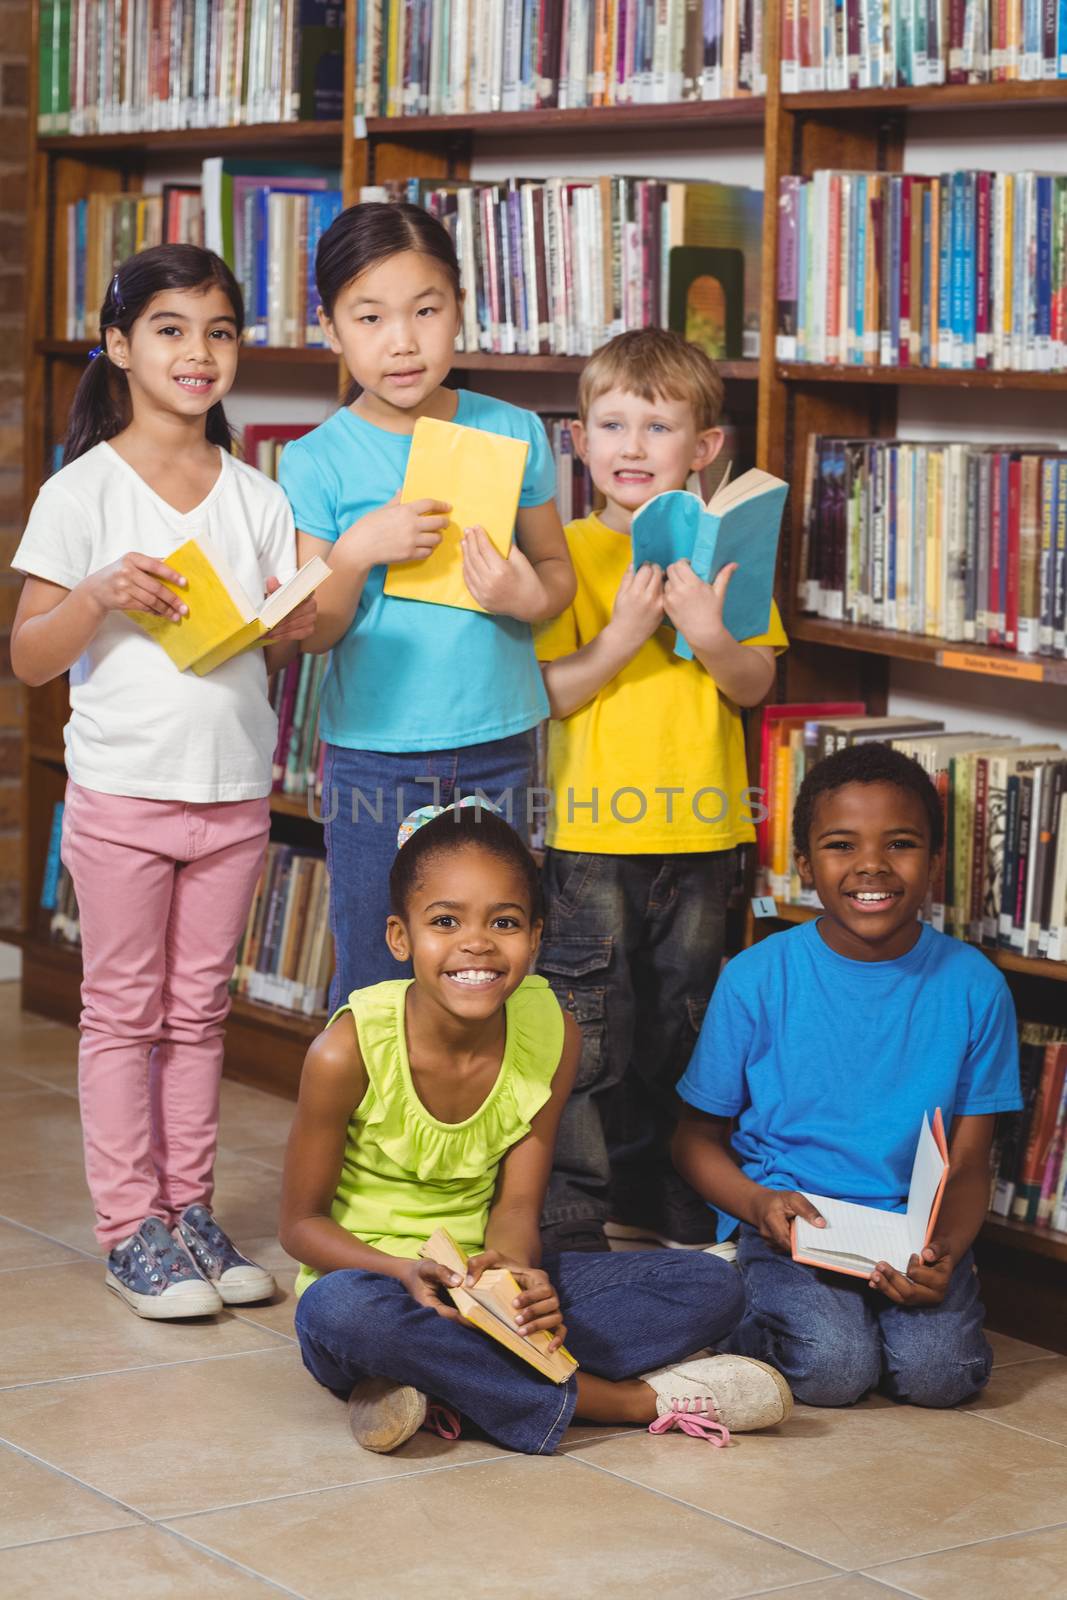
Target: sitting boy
(821, 1050)
(646, 766)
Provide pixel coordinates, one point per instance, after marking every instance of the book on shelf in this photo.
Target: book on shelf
(299, 752)
(575, 494)
(154, 65)
(102, 230)
(52, 864)
(455, 57)
(777, 723)
(857, 1237)
(1030, 1148)
(739, 524)
(706, 299)
(285, 956)
(836, 45)
(558, 266)
(958, 541)
(965, 271)
(262, 443)
(488, 1306)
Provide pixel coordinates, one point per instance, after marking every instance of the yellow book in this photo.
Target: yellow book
(479, 475)
(488, 1306)
(222, 620)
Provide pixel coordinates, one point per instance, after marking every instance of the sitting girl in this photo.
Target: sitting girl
(434, 1102)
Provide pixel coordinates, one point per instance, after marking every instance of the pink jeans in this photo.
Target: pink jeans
(163, 891)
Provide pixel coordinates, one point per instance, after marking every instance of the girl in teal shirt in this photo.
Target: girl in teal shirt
(421, 701)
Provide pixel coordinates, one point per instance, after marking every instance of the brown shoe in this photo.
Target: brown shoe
(383, 1415)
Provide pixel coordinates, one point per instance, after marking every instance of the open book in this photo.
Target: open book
(739, 523)
(488, 1306)
(856, 1238)
(479, 474)
(222, 620)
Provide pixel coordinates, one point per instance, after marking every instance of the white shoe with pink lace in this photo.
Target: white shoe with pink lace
(711, 1397)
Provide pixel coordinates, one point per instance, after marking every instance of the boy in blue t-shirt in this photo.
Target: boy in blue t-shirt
(821, 1050)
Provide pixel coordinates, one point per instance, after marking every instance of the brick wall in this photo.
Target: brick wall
(14, 51)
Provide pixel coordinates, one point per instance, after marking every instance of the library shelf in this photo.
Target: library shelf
(486, 361)
(744, 111)
(945, 97)
(248, 136)
(257, 354)
(1025, 1236)
(921, 377)
(291, 805)
(984, 659)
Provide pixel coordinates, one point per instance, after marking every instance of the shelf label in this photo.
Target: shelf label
(763, 905)
(992, 666)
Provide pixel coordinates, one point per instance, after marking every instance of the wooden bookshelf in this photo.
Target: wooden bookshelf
(980, 658)
(283, 138)
(744, 111)
(922, 377)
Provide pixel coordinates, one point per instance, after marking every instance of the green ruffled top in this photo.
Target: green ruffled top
(405, 1173)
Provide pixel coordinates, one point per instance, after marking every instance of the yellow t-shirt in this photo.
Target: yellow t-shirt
(660, 724)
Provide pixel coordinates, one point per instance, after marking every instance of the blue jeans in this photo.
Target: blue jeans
(632, 949)
(626, 1313)
(832, 1337)
(366, 794)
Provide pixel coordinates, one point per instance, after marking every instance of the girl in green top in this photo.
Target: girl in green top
(435, 1102)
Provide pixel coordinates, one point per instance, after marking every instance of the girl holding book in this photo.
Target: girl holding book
(166, 814)
(434, 1102)
(421, 701)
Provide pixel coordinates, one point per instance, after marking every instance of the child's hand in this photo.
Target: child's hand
(426, 1282)
(299, 624)
(774, 1211)
(927, 1280)
(638, 608)
(505, 588)
(537, 1307)
(396, 532)
(695, 607)
(131, 585)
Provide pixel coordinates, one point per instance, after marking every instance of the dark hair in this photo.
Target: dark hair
(101, 406)
(461, 828)
(865, 763)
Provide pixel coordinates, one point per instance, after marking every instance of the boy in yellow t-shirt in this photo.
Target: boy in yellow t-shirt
(650, 799)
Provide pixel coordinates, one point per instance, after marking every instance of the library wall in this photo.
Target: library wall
(14, 51)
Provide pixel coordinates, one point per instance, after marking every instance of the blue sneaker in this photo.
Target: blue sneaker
(158, 1278)
(238, 1280)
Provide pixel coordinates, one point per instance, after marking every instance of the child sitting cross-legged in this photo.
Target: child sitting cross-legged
(821, 1051)
(433, 1102)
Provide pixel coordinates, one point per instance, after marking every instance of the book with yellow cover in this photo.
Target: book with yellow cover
(222, 620)
(488, 1306)
(479, 475)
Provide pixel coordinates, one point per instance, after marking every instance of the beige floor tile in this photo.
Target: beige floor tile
(220, 1433)
(20, 1248)
(267, 1155)
(860, 1485)
(1008, 1351)
(41, 1504)
(537, 1528)
(55, 1203)
(132, 1561)
(61, 1322)
(251, 1117)
(276, 1313)
(48, 1053)
(850, 1586)
(44, 1136)
(247, 1196)
(1034, 1564)
(1032, 1396)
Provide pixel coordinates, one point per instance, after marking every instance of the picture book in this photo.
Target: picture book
(706, 299)
(857, 1237)
(479, 475)
(222, 620)
(488, 1306)
(739, 523)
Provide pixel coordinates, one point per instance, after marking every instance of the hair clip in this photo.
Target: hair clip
(423, 814)
(116, 292)
(97, 350)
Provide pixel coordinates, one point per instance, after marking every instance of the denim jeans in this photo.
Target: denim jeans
(366, 794)
(632, 948)
(833, 1338)
(626, 1313)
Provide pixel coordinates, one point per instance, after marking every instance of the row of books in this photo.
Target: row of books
(104, 229)
(963, 542)
(561, 265)
(1002, 881)
(1030, 1149)
(886, 44)
(285, 957)
(966, 270)
(450, 57)
(148, 65)
(299, 753)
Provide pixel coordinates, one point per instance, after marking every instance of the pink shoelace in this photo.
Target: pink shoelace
(693, 1416)
(442, 1420)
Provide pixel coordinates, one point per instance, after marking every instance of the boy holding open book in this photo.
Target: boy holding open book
(650, 797)
(826, 1052)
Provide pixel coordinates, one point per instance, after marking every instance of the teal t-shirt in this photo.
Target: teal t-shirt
(407, 675)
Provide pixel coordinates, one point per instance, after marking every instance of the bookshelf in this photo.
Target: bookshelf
(1023, 1269)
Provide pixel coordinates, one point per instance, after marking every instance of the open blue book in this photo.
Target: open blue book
(740, 522)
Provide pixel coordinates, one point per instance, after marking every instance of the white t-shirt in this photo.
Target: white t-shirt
(137, 725)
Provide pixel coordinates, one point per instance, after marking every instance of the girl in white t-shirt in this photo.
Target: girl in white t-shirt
(167, 810)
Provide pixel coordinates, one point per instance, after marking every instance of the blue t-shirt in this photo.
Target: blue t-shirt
(828, 1064)
(407, 675)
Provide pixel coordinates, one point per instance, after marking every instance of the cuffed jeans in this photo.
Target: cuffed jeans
(632, 949)
(626, 1314)
(833, 1338)
(366, 794)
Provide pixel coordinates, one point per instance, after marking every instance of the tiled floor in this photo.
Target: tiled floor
(194, 1461)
